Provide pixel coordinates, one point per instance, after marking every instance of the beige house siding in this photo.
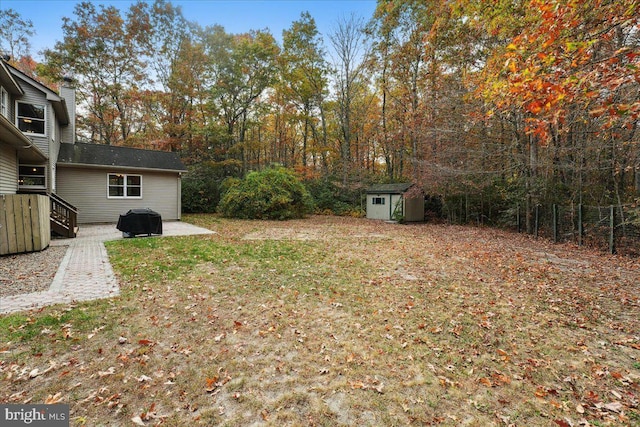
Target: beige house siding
(52, 178)
(11, 111)
(54, 148)
(8, 170)
(68, 133)
(86, 189)
(34, 96)
(46, 143)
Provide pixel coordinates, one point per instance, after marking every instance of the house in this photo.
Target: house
(24, 219)
(84, 183)
(103, 181)
(395, 202)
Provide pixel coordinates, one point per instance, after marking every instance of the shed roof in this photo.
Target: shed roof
(389, 188)
(101, 155)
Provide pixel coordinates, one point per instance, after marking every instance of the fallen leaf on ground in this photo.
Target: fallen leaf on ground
(138, 421)
(50, 400)
(613, 406)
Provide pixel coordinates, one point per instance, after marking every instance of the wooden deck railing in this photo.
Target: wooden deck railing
(64, 217)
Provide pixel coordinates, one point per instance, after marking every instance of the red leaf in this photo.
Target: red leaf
(592, 397)
(540, 392)
(534, 107)
(212, 384)
(486, 381)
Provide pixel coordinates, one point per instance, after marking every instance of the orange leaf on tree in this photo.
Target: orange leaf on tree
(534, 107)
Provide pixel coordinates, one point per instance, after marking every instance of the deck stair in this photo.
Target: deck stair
(64, 217)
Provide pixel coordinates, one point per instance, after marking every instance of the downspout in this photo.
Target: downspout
(179, 196)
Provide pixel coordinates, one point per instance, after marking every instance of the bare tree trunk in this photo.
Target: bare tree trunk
(349, 45)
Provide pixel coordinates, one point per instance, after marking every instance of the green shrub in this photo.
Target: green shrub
(332, 198)
(274, 193)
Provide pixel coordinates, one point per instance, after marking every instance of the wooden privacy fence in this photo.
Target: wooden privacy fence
(24, 223)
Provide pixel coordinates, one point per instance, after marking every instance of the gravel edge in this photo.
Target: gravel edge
(30, 272)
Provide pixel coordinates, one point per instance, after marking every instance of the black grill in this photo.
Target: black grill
(140, 221)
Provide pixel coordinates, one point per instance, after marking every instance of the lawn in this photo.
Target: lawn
(339, 321)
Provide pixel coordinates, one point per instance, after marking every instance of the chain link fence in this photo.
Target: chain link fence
(615, 229)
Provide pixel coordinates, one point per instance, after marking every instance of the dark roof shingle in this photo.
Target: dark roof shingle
(389, 188)
(110, 155)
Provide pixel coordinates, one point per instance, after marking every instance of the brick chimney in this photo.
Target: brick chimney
(68, 93)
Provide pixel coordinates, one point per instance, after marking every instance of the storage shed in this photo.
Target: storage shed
(397, 202)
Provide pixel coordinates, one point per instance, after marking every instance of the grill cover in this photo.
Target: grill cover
(140, 221)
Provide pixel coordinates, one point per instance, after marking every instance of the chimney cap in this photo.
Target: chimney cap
(67, 79)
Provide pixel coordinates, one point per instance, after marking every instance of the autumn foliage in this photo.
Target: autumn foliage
(489, 104)
(570, 54)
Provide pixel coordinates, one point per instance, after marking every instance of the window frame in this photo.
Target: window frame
(125, 185)
(44, 119)
(4, 102)
(378, 200)
(22, 186)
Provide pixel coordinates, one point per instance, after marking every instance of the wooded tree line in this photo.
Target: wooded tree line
(497, 102)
